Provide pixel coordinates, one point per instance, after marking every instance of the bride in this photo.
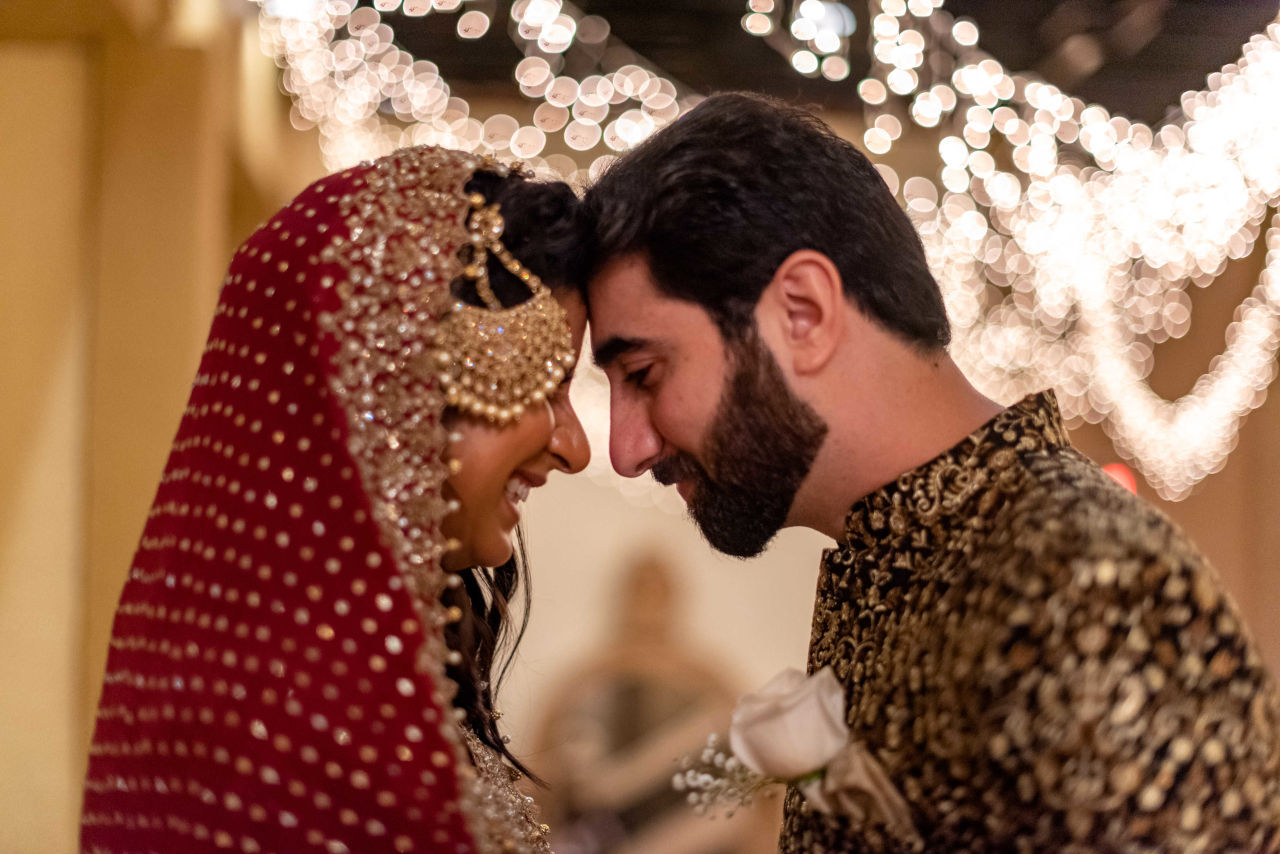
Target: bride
(301, 658)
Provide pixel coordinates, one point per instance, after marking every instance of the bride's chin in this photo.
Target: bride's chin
(453, 562)
(498, 550)
(499, 557)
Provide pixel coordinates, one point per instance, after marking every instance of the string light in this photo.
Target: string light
(1067, 261)
(1064, 238)
(818, 33)
(343, 69)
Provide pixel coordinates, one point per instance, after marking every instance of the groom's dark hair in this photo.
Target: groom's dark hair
(716, 201)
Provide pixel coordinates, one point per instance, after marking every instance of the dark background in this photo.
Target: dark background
(1150, 51)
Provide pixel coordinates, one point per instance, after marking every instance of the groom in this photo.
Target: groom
(1037, 659)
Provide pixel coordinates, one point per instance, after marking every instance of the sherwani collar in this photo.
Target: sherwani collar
(959, 482)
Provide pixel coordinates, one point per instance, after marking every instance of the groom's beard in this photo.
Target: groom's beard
(759, 448)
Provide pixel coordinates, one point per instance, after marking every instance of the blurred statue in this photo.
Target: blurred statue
(609, 742)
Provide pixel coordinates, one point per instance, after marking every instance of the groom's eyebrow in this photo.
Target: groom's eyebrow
(612, 349)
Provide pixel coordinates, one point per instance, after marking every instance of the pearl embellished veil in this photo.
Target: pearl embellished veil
(276, 679)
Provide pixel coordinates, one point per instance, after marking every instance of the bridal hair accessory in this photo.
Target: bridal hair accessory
(495, 362)
(793, 731)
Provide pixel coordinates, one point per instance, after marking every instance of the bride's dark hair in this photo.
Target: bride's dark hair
(544, 228)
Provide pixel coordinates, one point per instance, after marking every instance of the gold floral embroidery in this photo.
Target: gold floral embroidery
(1040, 661)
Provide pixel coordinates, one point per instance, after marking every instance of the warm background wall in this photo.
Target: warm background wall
(43, 362)
(125, 185)
(140, 141)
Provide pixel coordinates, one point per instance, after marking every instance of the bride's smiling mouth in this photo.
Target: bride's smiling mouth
(517, 491)
(518, 487)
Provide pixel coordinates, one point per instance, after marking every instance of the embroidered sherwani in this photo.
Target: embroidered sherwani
(1041, 662)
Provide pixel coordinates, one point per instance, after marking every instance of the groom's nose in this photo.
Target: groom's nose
(634, 444)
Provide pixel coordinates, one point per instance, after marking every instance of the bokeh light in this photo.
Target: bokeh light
(1065, 239)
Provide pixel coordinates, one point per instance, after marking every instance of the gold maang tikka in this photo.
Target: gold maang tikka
(496, 362)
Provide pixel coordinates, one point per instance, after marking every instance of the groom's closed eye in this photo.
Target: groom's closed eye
(640, 378)
(627, 358)
(613, 349)
(636, 378)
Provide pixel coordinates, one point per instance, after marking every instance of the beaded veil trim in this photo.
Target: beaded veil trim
(405, 227)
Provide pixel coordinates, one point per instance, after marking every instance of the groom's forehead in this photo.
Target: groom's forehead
(623, 301)
(623, 279)
(622, 323)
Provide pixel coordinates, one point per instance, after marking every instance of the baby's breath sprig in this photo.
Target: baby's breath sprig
(716, 779)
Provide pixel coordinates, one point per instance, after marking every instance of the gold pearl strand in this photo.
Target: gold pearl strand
(495, 362)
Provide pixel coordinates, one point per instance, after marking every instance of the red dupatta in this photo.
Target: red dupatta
(276, 674)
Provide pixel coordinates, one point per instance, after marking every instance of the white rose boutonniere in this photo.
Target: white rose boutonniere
(792, 727)
(793, 731)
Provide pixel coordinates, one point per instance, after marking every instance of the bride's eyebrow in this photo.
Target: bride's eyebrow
(614, 348)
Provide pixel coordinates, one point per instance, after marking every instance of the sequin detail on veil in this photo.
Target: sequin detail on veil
(405, 226)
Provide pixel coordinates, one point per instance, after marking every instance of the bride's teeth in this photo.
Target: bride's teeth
(517, 490)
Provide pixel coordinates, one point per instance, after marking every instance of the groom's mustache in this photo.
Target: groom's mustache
(677, 467)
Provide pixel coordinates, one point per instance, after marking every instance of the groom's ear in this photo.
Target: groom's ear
(801, 313)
